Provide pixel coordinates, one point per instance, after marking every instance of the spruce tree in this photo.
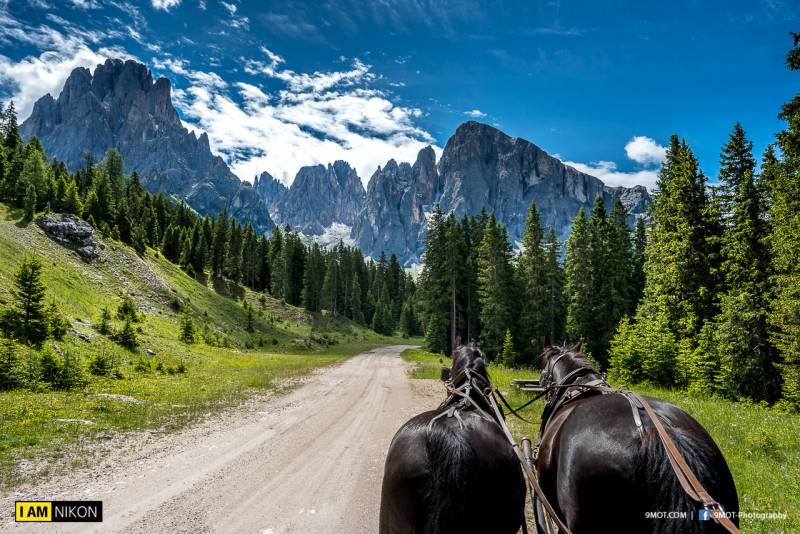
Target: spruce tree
(312, 279)
(637, 266)
(71, 202)
(12, 138)
(785, 244)
(578, 280)
(532, 267)
(508, 356)
(748, 356)
(555, 308)
(30, 202)
(496, 287)
(219, 247)
(28, 309)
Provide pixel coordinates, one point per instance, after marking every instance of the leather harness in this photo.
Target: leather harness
(570, 388)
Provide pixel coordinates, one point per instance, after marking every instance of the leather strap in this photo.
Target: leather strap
(689, 482)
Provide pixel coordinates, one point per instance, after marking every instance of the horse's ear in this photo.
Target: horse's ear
(577, 346)
(456, 342)
(547, 342)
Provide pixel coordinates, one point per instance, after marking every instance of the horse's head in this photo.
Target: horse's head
(467, 359)
(560, 365)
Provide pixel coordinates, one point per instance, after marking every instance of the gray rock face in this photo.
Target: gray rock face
(71, 232)
(119, 106)
(394, 216)
(321, 196)
(480, 167)
(270, 190)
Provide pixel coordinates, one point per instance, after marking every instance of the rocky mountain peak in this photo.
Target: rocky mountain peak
(320, 196)
(120, 106)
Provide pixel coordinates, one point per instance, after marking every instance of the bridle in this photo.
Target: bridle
(469, 380)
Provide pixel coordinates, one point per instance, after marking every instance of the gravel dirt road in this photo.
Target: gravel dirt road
(307, 462)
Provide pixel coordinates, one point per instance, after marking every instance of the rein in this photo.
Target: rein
(689, 482)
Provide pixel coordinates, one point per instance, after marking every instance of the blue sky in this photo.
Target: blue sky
(282, 84)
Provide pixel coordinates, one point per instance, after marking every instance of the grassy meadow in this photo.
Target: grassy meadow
(760, 444)
(41, 430)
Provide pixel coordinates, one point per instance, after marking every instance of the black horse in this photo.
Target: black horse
(603, 467)
(451, 470)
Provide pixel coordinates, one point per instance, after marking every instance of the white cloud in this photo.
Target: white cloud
(166, 5)
(31, 77)
(85, 4)
(475, 113)
(318, 118)
(645, 150)
(607, 171)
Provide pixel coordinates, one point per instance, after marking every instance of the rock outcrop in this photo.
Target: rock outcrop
(120, 106)
(399, 198)
(321, 196)
(71, 232)
(270, 190)
(481, 167)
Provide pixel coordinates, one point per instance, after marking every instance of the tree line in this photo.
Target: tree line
(337, 279)
(474, 286)
(705, 295)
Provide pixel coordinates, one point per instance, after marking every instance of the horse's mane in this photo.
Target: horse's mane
(573, 353)
(475, 360)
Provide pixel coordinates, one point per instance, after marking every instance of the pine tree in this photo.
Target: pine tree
(508, 355)
(532, 267)
(104, 324)
(250, 325)
(35, 175)
(785, 244)
(312, 279)
(219, 247)
(29, 314)
(637, 266)
(233, 267)
(71, 202)
(187, 327)
(555, 308)
(748, 357)
(578, 280)
(330, 297)
(115, 171)
(127, 336)
(276, 263)
(11, 136)
(30, 202)
(495, 287)
(408, 321)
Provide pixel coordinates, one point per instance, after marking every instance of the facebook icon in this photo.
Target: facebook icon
(704, 514)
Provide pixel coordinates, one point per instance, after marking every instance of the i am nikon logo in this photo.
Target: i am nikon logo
(59, 511)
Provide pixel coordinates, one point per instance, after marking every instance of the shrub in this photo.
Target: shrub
(142, 365)
(127, 336)
(187, 327)
(72, 374)
(51, 366)
(12, 372)
(59, 324)
(127, 311)
(104, 323)
(101, 364)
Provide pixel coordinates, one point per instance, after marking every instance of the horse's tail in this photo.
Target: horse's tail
(450, 457)
(664, 492)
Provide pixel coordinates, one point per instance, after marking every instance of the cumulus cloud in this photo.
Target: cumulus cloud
(317, 117)
(165, 5)
(26, 80)
(645, 150)
(475, 113)
(607, 171)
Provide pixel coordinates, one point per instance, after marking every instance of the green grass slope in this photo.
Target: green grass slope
(40, 430)
(761, 445)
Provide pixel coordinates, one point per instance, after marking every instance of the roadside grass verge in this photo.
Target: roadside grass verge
(760, 444)
(43, 431)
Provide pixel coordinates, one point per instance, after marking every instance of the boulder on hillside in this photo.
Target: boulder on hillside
(72, 232)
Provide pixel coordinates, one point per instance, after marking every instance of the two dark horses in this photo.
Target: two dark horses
(452, 469)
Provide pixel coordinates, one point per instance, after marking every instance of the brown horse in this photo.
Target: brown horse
(451, 470)
(603, 467)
